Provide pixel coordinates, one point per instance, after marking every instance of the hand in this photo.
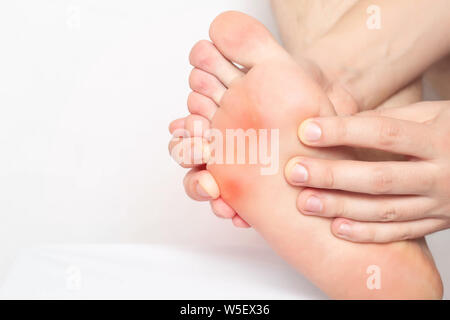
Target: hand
(379, 201)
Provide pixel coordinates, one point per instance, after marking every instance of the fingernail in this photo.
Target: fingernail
(313, 204)
(311, 132)
(299, 174)
(344, 229)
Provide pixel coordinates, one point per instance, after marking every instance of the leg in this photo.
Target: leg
(301, 22)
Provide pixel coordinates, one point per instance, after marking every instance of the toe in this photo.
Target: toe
(239, 222)
(201, 105)
(206, 84)
(222, 209)
(205, 56)
(196, 125)
(176, 125)
(189, 152)
(243, 39)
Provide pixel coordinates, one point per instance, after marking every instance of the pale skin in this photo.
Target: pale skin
(412, 195)
(272, 77)
(338, 18)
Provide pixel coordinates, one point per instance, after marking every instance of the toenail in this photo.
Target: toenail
(311, 132)
(207, 187)
(344, 230)
(313, 204)
(202, 192)
(299, 174)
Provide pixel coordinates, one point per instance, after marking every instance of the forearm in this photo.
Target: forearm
(371, 65)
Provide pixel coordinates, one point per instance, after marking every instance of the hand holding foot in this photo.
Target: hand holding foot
(379, 201)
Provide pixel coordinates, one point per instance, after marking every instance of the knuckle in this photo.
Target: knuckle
(405, 234)
(340, 209)
(382, 180)
(370, 235)
(389, 133)
(341, 129)
(428, 181)
(388, 214)
(328, 178)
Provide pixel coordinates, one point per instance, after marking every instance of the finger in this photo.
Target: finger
(239, 222)
(382, 133)
(362, 207)
(189, 152)
(385, 232)
(222, 209)
(200, 185)
(383, 177)
(418, 112)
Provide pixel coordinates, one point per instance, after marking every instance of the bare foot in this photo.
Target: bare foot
(276, 93)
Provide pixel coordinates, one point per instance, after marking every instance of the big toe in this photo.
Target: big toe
(243, 39)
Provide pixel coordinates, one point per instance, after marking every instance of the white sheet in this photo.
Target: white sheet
(154, 272)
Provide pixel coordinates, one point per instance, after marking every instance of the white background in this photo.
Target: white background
(87, 89)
